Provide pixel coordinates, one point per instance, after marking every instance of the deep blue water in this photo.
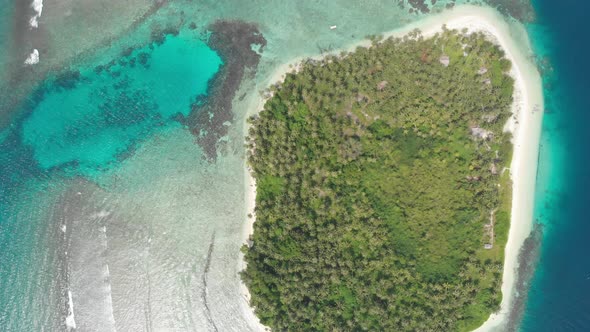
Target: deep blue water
(559, 296)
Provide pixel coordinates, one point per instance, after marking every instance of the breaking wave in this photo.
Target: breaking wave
(70, 321)
(37, 6)
(33, 58)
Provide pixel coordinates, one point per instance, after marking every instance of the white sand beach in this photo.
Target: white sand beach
(525, 126)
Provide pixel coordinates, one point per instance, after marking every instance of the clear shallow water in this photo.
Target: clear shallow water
(80, 124)
(104, 193)
(559, 296)
(92, 115)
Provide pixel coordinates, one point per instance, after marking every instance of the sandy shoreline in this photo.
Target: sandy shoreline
(525, 124)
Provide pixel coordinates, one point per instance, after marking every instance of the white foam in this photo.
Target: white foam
(37, 6)
(100, 214)
(33, 58)
(103, 214)
(107, 278)
(34, 21)
(70, 322)
(109, 299)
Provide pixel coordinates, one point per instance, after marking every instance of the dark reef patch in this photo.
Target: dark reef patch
(138, 105)
(68, 79)
(527, 261)
(233, 41)
(16, 162)
(159, 35)
(521, 10)
(419, 5)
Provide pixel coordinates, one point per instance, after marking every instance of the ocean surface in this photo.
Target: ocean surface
(122, 176)
(559, 294)
(122, 166)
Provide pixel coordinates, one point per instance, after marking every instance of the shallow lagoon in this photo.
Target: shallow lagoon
(92, 115)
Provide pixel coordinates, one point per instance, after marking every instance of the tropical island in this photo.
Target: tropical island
(381, 202)
(383, 187)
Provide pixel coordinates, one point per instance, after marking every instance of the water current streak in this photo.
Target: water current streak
(204, 292)
(148, 305)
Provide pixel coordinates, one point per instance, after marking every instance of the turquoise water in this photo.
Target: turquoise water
(91, 116)
(82, 123)
(559, 295)
(105, 192)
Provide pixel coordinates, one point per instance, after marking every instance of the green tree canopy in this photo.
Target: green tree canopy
(379, 184)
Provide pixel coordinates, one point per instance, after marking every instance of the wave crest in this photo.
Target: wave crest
(33, 58)
(37, 6)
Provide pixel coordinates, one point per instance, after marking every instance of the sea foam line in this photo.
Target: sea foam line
(37, 6)
(33, 58)
(70, 321)
(107, 277)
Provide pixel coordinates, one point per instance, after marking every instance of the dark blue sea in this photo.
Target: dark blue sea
(559, 294)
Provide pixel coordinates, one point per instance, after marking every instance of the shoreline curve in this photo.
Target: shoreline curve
(525, 125)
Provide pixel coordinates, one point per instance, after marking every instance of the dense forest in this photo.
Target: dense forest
(382, 202)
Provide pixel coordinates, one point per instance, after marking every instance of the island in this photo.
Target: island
(385, 184)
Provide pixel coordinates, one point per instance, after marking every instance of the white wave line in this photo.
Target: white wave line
(37, 6)
(109, 299)
(33, 58)
(70, 321)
